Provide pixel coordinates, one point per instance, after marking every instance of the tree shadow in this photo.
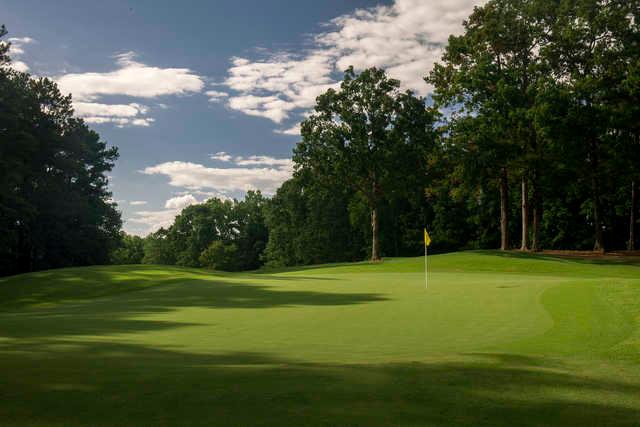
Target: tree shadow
(71, 383)
(97, 302)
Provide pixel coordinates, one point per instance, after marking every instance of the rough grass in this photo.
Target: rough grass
(497, 339)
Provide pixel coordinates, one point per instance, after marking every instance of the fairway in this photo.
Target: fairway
(497, 339)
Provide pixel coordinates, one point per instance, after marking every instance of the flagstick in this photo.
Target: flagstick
(426, 274)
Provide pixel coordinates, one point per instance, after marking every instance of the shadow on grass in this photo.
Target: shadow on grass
(70, 383)
(93, 300)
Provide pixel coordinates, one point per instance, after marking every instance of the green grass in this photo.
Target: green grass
(497, 339)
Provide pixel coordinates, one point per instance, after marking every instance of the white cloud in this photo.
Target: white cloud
(263, 160)
(405, 38)
(206, 194)
(118, 114)
(216, 96)
(293, 131)
(148, 221)
(243, 176)
(133, 79)
(137, 202)
(17, 50)
(252, 160)
(221, 156)
(180, 202)
(19, 66)
(119, 121)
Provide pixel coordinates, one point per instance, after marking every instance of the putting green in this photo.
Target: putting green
(497, 339)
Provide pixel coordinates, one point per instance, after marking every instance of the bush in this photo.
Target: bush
(220, 256)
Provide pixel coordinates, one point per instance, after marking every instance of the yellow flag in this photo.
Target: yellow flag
(427, 239)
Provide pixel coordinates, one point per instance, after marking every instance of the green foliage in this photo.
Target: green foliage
(159, 248)
(308, 223)
(367, 136)
(55, 207)
(130, 250)
(544, 93)
(239, 226)
(220, 256)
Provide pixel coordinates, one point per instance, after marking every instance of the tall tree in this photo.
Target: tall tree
(55, 207)
(366, 135)
(588, 55)
(491, 71)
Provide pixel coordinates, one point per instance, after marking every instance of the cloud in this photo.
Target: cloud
(17, 50)
(405, 38)
(263, 160)
(151, 220)
(19, 66)
(137, 202)
(216, 96)
(293, 130)
(252, 160)
(117, 110)
(118, 114)
(180, 202)
(243, 176)
(119, 121)
(132, 78)
(221, 156)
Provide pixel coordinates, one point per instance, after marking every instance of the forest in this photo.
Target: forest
(530, 140)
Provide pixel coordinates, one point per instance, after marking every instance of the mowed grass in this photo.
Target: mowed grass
(497, 339)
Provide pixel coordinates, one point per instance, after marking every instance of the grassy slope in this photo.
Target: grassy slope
(497, 339)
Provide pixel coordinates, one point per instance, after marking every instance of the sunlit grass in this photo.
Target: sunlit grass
(497, 338)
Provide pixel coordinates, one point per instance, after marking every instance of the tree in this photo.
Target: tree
(593, 44)
(366, 135)
(252, 235)
(129, 251)
(220, 256)
(158, 248)
(491, 72)
(309, 222)
(55, 207)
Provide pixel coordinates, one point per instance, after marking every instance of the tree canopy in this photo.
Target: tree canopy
(55, 206)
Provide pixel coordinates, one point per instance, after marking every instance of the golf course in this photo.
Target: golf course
(498, 338)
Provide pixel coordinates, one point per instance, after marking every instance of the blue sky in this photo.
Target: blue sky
(203, 98)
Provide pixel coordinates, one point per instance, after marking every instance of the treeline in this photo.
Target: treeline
(55, 208)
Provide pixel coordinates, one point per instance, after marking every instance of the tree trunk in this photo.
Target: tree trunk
(632, 217)
(504, 210)
(525, 215)
(595, 182)
(375, 234)
(537, 215)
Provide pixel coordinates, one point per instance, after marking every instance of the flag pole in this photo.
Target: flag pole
(426, 274)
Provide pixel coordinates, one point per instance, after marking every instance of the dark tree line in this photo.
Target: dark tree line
(55, 208)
